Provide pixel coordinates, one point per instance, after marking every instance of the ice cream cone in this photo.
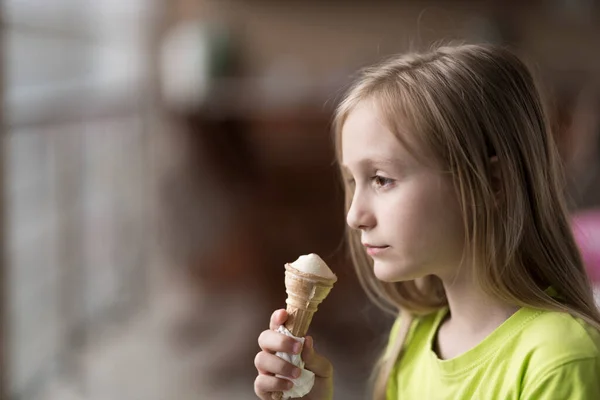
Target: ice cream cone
(305, 293)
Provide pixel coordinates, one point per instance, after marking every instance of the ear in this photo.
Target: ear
(495, 176)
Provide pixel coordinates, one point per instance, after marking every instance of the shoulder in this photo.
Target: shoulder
(559, 349)
(559, 337)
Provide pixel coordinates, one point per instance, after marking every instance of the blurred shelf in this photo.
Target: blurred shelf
(258, 100)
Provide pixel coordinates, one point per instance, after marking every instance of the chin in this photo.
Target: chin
(388, 272)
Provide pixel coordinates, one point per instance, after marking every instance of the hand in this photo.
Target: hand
(268, 364)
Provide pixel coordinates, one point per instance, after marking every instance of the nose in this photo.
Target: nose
(360, 216)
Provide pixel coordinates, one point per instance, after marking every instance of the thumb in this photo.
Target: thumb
(315, 362)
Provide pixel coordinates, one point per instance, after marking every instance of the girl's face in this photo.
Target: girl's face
(408, 213)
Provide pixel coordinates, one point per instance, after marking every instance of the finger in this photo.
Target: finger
(314, 361)
(272, 342)
(264, 385)
(278, 318)
(271, 364)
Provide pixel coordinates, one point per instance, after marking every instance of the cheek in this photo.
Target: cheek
(442, 233)
(411, 213)
(427, 223)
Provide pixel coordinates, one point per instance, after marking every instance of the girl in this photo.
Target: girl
(458, 226)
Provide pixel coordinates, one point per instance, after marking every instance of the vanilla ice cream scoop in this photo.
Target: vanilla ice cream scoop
(313, 264)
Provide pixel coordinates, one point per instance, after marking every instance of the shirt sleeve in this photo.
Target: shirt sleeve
(575, 380)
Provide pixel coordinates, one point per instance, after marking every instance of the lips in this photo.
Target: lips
(374, 245)
(374, 250)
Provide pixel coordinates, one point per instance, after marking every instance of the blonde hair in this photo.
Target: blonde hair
(471, 105)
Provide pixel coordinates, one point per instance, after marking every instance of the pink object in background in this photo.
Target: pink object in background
(586, 228)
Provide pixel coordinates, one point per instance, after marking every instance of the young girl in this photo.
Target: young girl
(458, 226)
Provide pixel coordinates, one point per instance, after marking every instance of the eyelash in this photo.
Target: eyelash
(381, 182)
(378, 181)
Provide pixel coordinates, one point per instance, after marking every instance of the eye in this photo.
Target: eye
(381, 182)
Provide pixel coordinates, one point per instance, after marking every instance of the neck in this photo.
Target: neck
(473, 316)
(472, 311)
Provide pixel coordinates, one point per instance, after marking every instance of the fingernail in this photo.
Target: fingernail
(297, 347)
(289, 384)
(296, 372)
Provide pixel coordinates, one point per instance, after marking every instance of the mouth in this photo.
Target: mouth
(373, 250)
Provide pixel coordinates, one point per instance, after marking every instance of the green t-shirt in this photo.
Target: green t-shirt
(533, 355)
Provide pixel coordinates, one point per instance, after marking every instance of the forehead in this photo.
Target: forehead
(365, 137)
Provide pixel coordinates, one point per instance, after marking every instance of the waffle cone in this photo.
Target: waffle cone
(304, 294)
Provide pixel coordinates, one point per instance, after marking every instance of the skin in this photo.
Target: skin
(406, 212)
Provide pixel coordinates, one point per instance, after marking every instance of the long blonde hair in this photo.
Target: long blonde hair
(466, 106)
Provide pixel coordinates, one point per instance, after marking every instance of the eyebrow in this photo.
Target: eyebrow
(379, 161)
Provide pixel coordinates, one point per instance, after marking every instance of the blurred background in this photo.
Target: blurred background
(162, 160)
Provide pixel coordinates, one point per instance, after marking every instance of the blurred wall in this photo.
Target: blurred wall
(327, 37)
(76, 201)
